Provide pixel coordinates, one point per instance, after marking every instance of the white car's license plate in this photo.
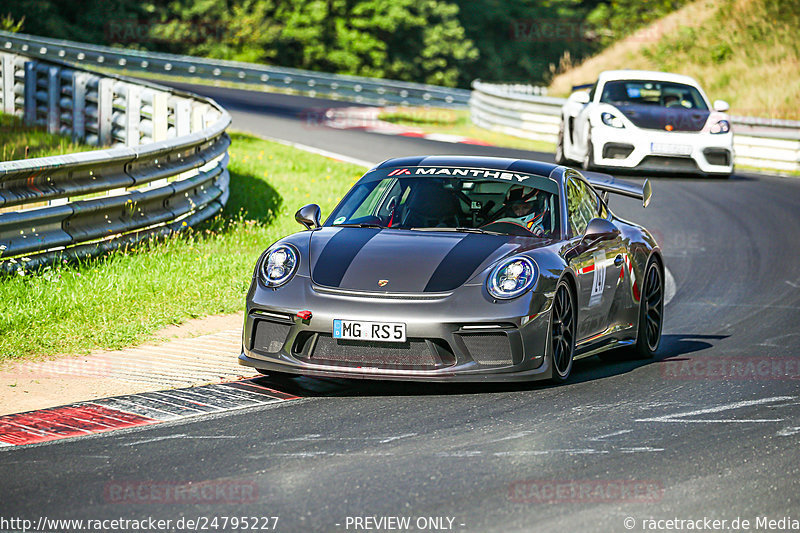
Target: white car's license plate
(670, 149)
(369, 331)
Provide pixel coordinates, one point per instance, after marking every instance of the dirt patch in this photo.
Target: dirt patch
(200, 326)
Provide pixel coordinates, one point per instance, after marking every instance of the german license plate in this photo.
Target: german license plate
(369, 331)
(670, 149)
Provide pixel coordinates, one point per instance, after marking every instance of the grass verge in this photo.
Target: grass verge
(121, 299)
(18, 141)
(457, 122)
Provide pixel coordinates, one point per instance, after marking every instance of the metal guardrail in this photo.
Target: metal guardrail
(166, 169)
(758, 142)
(315, 84)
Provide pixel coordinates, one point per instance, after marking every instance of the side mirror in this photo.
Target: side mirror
(599, 229)
(309, 216)
(721, 106)
(582, 97)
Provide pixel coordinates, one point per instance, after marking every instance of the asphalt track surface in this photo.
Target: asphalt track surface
(661, 439)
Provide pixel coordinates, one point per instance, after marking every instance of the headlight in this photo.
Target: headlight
(512, 277)
(279, 265)
(723, 126)
(612, 120)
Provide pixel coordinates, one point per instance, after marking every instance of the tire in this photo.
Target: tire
(560, 159)
(561, 337)
(588, 160)
(651, 318)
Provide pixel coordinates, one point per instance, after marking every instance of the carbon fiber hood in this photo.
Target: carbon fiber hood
(363, 259)
(658, 118)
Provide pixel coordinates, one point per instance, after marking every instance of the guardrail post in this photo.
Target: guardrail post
(183, 115)
(160, 115)
(133, 115)
(53, 96)
(7, 75)
(105, 109)
(79, 82)
(30, 92)
(198, 117)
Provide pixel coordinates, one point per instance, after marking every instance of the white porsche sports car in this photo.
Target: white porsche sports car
(645, 121)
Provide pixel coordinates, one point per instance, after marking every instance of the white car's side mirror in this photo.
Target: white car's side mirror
(721, 106)
(582, 97)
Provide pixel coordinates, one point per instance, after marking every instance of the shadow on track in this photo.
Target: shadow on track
(585, 370)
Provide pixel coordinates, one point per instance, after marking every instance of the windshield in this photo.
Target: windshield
(476, 200)
(656, 93)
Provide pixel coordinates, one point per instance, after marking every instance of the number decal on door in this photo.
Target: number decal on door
(599, 281)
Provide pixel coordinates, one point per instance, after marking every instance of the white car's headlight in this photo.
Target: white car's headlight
(723, 126)
(279, 265)
(512, 277)
(610, 119)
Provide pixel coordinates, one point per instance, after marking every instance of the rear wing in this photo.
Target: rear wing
(582, 87)
(608, 184)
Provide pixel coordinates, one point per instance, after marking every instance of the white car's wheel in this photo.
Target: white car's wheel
(560, 158)
(588, 159)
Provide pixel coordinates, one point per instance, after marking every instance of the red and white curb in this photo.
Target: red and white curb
(120, 412)
(368, 119)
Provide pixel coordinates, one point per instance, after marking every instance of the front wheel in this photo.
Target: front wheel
(651, 312)
(563, 324)
(651, 318)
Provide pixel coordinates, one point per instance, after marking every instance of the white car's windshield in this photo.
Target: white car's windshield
(521, 204)
(656, 93)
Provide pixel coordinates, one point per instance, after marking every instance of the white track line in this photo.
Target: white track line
(320, 151)
(679, 417)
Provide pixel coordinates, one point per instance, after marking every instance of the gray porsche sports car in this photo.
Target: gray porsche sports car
(451, 268)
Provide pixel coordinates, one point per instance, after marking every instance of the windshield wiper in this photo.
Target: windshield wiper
(362, 225)
(460, 230)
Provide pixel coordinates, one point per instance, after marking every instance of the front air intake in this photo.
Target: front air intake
(269, 336)
(488, 349)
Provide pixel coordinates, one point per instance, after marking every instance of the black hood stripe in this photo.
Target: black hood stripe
(338, 253)
(460, 263)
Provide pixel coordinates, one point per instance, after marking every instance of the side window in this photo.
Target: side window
(581, 205)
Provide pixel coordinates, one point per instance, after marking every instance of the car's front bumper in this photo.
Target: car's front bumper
(462, 336)
(643, 150)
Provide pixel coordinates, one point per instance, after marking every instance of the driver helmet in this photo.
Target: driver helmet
(523, 206)
(671, 100)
